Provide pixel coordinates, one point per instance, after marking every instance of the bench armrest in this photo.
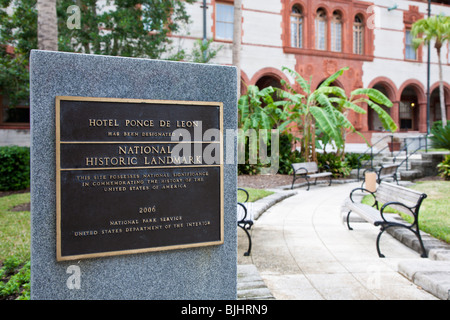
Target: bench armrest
(246, 193)
(244, 217)
(368, 191)
(387, 204)
(301, 168)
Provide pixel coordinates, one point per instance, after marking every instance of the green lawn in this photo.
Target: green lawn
(434, 216)
(14, 228)
(254, 194)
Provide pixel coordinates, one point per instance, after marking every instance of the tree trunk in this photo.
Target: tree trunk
(441, 90)
(237, 34)
(47, 25)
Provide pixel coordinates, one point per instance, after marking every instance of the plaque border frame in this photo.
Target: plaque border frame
(58, 99)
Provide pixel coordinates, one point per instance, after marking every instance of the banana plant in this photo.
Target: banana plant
(328, 107)
(258, 110)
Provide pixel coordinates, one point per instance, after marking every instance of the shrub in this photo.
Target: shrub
(354, 160)
(333, 163)
(14, 168)
(287, 156)
(440, 137)
(17, 279)
(444, 168)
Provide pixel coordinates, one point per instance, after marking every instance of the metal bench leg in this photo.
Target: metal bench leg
(307, 180)
(331, 178)
(249, 241)
(378, 242)
(424, 252)
(395, 178)
(348, 220)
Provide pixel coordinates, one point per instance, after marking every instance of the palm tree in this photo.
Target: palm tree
(434, 29)
(237, 35)
(47, 25)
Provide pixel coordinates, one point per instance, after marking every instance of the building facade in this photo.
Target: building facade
(316, 38)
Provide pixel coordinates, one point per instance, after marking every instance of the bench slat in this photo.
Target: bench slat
(311, 167)
(368, 213)
(391, 193)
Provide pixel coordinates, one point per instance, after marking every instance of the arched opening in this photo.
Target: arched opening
(435, 106)
(267, 81)
(409, 110)
(374, 121)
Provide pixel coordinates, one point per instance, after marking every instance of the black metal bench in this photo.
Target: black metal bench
(384, 172)
(308, 170)
(244, 220)
(402, 199)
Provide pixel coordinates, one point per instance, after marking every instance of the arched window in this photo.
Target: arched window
(321, 30)
(336, 32)
(358, 35)
(296, 27)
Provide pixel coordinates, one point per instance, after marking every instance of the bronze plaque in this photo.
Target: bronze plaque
(137, 176)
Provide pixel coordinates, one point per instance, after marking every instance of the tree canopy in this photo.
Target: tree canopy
(128, 28)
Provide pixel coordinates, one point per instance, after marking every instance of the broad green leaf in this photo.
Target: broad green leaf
(332, 91)
(385, 118)
(326, 123)
(333, 77)
(299, 79)
(348, 105)
(374, 95)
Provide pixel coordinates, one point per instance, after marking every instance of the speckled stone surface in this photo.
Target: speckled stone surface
(198, 273)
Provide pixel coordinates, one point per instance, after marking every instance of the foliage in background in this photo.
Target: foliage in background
(287, 155)
(444, 168)
(19, 31)
(203, 52)
(14, 168)
(333, 163)
(354, 160)
(440, 136)
(435, 29)
(258, 110)
(328, 107)
(134, 29)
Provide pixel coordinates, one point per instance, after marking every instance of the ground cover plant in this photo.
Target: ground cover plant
(14, 247)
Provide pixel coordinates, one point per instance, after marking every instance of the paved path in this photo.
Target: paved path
(302, 250)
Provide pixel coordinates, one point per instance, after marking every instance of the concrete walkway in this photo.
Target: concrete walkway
(303, 251)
